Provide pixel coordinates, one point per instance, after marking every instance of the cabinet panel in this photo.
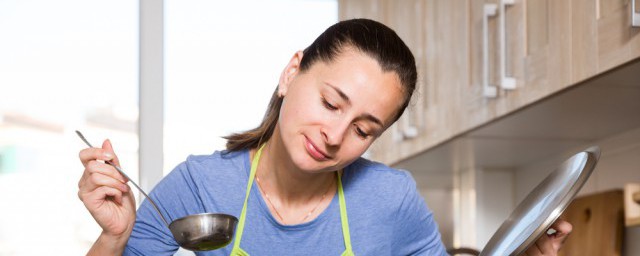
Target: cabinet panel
(515, 28)
(479, 107)
(603, 37)
(548, 54)
(584, 34)
(550, 45)
(437, 33)
(407, 19)
(371, 9)
(615, 34)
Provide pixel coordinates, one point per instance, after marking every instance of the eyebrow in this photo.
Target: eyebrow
(366, 116)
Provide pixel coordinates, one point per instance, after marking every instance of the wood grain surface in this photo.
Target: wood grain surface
(597, 225)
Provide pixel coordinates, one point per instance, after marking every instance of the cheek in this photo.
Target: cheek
(303, 110)
(296, 112)
(354, 147)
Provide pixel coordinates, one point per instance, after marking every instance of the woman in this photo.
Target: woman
(313, 193)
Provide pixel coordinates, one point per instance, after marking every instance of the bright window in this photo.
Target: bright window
(64, 65)
(73, 64)
(223, 61)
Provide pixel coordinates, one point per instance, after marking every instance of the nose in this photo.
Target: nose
(334, 132)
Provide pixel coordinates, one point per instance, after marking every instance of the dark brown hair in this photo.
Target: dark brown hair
(367, 36)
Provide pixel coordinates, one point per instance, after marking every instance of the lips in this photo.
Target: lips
(314, 152)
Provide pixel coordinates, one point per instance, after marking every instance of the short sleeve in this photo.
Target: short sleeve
(416, 230)
(173, 194)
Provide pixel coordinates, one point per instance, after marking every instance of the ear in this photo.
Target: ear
(289, 73)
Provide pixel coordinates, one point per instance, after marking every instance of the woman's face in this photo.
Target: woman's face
(332, 112)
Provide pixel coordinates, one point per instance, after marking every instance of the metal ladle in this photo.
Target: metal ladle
(197, 232)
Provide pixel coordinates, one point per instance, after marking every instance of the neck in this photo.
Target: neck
(288, 183)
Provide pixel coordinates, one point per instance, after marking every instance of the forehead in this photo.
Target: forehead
(362, 79)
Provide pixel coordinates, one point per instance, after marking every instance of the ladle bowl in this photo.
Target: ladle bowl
(196, 232)
(204, 232)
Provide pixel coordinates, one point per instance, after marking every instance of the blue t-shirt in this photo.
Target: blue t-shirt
(386, 214)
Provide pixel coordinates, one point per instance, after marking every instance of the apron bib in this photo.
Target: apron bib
(237, 251)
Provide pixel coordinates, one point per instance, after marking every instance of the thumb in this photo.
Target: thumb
(106, 145)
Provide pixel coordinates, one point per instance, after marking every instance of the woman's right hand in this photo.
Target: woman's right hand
(105, 193)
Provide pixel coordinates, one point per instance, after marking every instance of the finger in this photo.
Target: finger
(544, 244)
(83, 178)
(563, 229)
(106, 145)
(89, 154)
(106, 169)
(562, 226)
(102, 193)
(96, 180)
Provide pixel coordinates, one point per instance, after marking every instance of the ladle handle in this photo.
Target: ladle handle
(130, 180)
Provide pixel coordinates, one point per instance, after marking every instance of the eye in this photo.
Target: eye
(361, 133)
(328, 105)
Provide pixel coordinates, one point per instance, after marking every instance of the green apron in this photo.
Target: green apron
(237, 251)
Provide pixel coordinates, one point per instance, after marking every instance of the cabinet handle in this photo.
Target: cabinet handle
(488, 90)
(508, 83)
(635, 17)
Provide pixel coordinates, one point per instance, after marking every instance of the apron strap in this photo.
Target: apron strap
(344, 219)
(240, 229)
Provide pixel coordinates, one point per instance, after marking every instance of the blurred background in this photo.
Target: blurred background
(507, 91)
(75, 65)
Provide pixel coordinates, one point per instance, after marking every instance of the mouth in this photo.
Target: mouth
(314, 151)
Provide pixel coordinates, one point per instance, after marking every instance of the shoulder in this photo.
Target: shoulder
(364, 172)
(369, 180)
(219, 164)
(206, 183)
(207, 175)
(386, 200)
(217, 160)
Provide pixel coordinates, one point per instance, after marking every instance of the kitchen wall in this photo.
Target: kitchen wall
(440, 203)
(471, 203)
(495, 201)
(619, 164)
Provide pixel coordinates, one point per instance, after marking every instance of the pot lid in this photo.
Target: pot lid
(544, 204)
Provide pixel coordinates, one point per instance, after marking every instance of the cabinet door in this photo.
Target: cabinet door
(602, 37)
(437, 33)
(547, 62)
(496, 59)
(371, 9)
(406, 18)
(618, 42)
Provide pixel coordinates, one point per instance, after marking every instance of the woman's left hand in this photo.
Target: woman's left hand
(550, 244)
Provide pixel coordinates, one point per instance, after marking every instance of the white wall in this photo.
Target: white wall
(440, 203)
(619, 164)
(494, 203)
(485, 200)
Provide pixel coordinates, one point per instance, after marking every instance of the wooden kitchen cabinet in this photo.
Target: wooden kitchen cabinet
(597, 225)
(437, 33)
(370, 9)
(549, 45)
(537, 56)
(547, 60)
(408, 20)
(602, 37)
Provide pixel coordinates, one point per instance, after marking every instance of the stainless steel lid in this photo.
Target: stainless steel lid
(535, 214)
